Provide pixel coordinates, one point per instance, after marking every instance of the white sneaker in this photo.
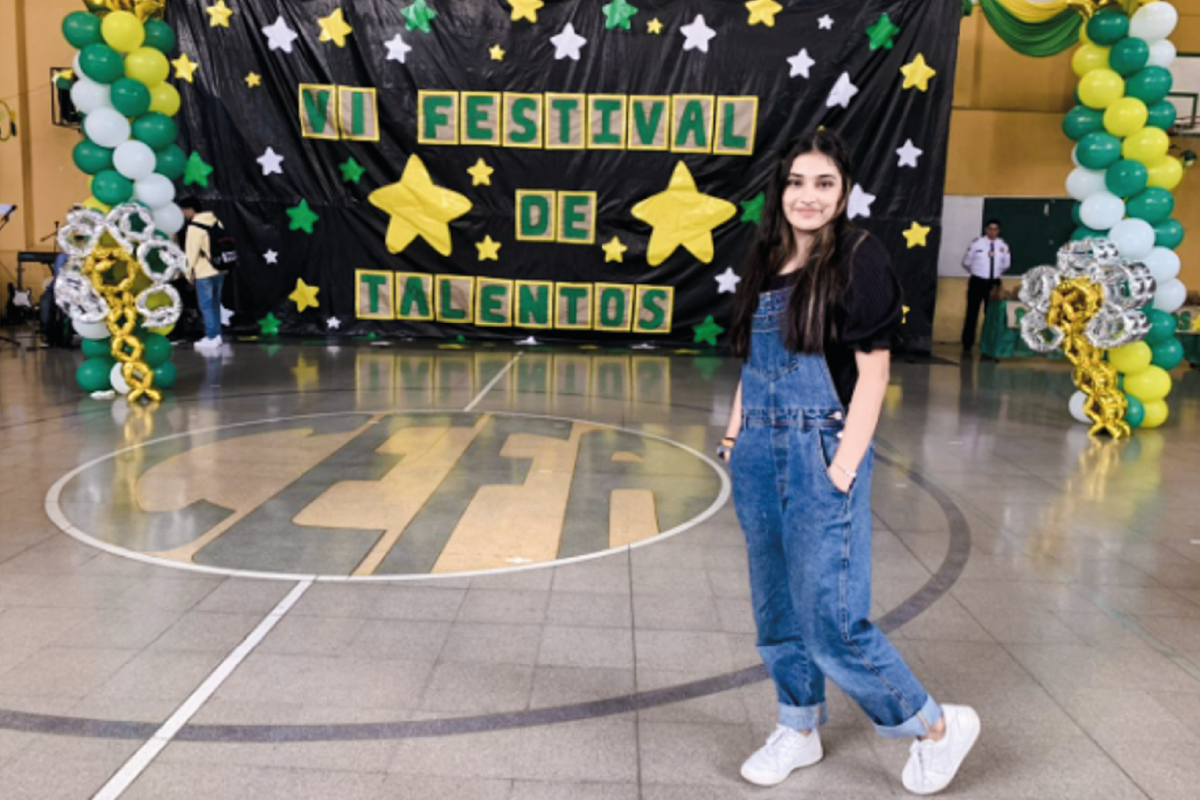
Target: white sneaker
(209, 341)
(932, 765)
(786, 750)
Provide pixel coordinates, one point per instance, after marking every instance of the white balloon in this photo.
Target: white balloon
(1134, 238)
(89, 96)
(1162, 54)
(169, 219)
(156, 191)
(1154, 22)
(1075, 156)
(135, 160)
(1170, 296)
(117, 378)
(1083, 183)
(1102, 210)
(1075, 406)
(1163, 264)
(91, 330)
(107, 127)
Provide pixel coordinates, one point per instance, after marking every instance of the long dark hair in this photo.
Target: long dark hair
(821, 280)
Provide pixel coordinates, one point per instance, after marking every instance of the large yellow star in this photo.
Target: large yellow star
(418, 208)
(334, 28)
(253, 79)
(481, 174)
(917, 73)
(654, 26)
(525, 9)
(762, 12)
(489, 249)
(304, 296)
(496, 52)
(614, 250)
(185, 68)
(681, 215)
(915, 235)
(219, 14)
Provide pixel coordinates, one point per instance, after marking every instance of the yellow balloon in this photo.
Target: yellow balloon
(165, 331)
(1147, 145)
(1100, 88)
(123, 31)
(1156, 414)
(164, 99)
(150, 66)
(1125, 117)
(1152, 383)
(1083, 37)
(1131, 359)
(1165, 173)
(95, 204)
(1089, 57)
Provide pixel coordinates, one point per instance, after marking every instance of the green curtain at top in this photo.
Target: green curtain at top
(1033, 39)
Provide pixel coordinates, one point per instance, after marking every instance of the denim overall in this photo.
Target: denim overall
(810, 543)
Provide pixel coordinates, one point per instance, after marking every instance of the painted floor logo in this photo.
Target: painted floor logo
(391, 494)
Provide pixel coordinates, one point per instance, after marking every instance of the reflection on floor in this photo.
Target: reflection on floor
(590, 659)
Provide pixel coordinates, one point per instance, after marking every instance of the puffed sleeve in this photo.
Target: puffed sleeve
(873, 301)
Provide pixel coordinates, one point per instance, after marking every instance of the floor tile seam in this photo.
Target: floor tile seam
(637, 713)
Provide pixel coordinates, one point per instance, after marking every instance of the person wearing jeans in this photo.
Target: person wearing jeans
(207, 279)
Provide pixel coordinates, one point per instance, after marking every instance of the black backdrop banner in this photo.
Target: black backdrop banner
(567, 169)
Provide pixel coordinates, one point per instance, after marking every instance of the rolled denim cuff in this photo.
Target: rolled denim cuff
(916, 725)
(803, 718)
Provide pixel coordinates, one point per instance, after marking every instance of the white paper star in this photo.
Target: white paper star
(333, 323)
(698, 34)
(271, 162)
(842, 91)
(397, 49)
(909, 154)
(727, 281)
(825, 22)
(567, 44)
(860, 203)
(271, 257)
(280, 36)
(800, 63)
(226, 317)
(530, 342)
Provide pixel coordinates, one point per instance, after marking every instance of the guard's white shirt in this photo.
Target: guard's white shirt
(987, 258)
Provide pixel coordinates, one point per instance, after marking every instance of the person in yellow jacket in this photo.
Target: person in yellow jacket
(207, 280)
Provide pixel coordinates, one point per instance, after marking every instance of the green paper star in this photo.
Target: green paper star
(418, 16)
(708, 331)
(968, 6)
(618, 14)
(303, 218)
(197, 171)
(752, 209)
(882, 33)
(269, 325)
(352, 171)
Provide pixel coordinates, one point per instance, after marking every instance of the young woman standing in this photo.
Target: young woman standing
(812, 323)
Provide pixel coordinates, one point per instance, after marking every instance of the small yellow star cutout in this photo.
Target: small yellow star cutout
(904, 319)
(614, 251)
(219, 14)
(419, 208)
(489, 249)
(334, 28)
(525, 9)
(481, 174)
(682, 216)
(917, 73)
(915, 235)
(654, 26)
(762, 12)
(185, 68)
(253, 79)
(497, 52)
(304, 296)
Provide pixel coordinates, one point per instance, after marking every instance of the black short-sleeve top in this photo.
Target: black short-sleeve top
(866, 317)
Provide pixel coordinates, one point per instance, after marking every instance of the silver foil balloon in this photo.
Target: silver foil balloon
(1038, 334)
(120, 225)
(78, 299)
(173, 259)
(1038, 285)
(82, 232)
(164, 315)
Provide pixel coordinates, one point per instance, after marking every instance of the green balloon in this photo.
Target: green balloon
(97, 348)
(157, 349)
(1098, 150)
(1153, 205)
(92, 158)
(1077, 213)
(1080, 121)
(130, 97)
(1162, 327)
(101, 63)
(1084, 232)
(1128, 56)
(1168, 234)
(92, 375)
(159, 35)
(112, 188)
(172, 162)
(1167, 354)
(156, 130)
(82, 29)
(1162, 115)
(164, 375)
(1150, 85)
(1135, 412)
(1126, 178)
(1107, 27)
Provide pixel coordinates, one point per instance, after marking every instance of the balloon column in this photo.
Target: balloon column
(121, 259)
(1124, 177)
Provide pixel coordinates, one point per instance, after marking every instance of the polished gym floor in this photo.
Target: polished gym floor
(405, 570)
